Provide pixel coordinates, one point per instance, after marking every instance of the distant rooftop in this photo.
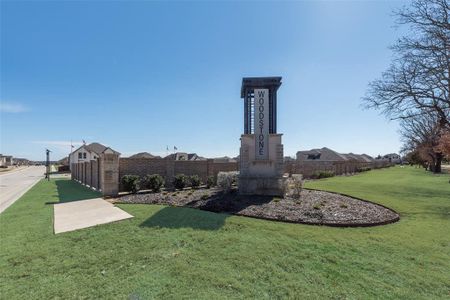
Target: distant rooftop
(144, 155)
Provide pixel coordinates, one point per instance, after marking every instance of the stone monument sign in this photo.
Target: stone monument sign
(261, 153)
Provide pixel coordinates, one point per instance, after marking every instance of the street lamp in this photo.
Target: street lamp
(47, 164)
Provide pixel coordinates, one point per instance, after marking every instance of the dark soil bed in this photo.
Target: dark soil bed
(313, 207)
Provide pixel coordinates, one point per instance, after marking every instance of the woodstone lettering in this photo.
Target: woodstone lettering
(261, 123)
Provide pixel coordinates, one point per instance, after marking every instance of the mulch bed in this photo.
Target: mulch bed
(313, 207)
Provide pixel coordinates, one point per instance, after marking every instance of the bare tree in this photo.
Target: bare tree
(421, 135)
(417, 82)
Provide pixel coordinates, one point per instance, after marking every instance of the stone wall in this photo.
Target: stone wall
(217, 167)
(142, 166)
(308, 168)
(169, 168)
(104, 173)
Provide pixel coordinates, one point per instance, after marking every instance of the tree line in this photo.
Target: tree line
(415, 88)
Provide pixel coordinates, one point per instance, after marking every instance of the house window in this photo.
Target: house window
(314, 156)
(80, 155)
(84, 155)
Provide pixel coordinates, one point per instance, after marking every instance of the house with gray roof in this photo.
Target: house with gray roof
(326, 154)
(86, 153)
(184, 156)
(368, 158)
(325, 159)
(355, 157)
(144, 155)
(392, 157)
(323, 154)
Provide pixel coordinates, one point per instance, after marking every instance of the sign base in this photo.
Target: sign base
(262, 186)
(261, 176)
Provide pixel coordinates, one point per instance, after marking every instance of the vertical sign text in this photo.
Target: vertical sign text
(261, 123)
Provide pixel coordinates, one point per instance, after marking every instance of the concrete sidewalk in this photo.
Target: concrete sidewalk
(75, 215)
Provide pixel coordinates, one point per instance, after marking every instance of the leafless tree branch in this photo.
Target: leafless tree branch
(418, 80)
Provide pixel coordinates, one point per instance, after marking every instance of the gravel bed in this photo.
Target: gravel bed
(313, 207)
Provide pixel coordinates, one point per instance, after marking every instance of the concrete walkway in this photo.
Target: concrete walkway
(75, 215)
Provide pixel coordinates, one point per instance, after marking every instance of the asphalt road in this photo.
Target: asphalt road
(14, 184)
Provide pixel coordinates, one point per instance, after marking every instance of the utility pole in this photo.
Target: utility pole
(47, 164)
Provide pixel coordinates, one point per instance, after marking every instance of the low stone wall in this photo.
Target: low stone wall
(308, 168)
(142, 166)
(105, 173)
(169, 168)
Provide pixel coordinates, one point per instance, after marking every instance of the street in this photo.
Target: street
(15, 183)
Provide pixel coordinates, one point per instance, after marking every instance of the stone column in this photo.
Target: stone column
(82, 173)
(72, 172)
(109, 179)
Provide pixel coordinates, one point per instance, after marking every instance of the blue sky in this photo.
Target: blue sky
(139, 76)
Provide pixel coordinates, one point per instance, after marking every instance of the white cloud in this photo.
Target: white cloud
(9, 107)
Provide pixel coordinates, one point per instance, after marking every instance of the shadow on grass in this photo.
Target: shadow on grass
(207, 214)
(69, 190)
(180, 217)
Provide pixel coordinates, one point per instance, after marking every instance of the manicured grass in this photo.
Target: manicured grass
(167, 252)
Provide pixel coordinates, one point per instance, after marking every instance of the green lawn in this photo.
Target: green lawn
(167, 252)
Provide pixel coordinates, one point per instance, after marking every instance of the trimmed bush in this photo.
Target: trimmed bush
(225, 180)
(131, 183)
(322, 174)
(179, 181)
(145, 185)
(154, 182)
(195, 181)
(210, 182)
(235, 178)
(295, 186)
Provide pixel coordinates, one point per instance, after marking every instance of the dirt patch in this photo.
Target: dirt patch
(313, 207)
